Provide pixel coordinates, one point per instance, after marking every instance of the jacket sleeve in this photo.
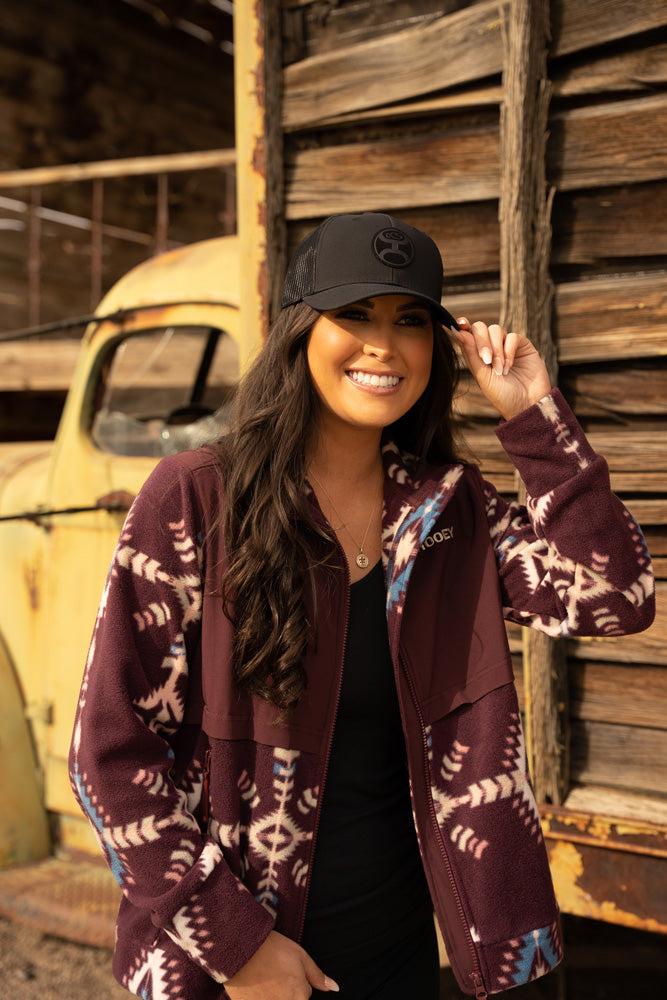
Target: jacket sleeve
(127, 732)
(573, 561)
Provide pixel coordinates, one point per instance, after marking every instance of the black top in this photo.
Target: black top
(368, 888)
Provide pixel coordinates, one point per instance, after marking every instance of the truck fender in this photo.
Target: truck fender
(24, 826)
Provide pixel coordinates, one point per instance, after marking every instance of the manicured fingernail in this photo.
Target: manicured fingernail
(486, 356)
(331, 985)
(506, 369)
(498, 366)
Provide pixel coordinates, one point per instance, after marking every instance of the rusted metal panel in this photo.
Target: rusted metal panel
(609, 868)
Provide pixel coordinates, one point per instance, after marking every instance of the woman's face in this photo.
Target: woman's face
(371, 361)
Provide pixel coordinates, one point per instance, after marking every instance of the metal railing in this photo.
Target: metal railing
(97, 173)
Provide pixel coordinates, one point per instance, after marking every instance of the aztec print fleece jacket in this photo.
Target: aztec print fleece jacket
(206, 808)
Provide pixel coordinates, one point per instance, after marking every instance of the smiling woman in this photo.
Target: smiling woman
(371, 361)
(298, 733)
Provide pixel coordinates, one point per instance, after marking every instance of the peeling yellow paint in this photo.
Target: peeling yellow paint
(605, 831)
(567, 867)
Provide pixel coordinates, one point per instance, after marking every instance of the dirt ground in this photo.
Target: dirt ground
(603, 963)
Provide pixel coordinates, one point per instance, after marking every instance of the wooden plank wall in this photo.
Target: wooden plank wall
(104, 80)
(394, 106)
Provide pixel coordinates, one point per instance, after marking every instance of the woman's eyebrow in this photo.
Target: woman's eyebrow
(415, 304)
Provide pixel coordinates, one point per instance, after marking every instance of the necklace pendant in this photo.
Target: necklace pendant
(362, 560)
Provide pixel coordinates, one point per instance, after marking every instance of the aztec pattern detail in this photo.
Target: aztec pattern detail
(404, 534)
(591, 601)
(512, 784)
(275, 837)
(570, 443)
(273, 844)
(526, 958)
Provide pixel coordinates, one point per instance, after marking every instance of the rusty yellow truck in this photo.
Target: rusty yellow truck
(156, 369)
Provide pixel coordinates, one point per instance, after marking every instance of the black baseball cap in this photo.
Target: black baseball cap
(352, 257)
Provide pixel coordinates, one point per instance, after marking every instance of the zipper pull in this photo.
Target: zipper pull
(480, 992)
(205, 790)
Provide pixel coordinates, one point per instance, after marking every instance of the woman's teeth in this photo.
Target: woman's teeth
(384, 381)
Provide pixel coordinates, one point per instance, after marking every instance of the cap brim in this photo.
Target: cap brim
(345, 295)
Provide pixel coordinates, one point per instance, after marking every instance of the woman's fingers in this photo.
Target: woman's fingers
(511, 345)
(494, 348)
(280, 969)
(496, 335)
(489, 351)
(316, 977)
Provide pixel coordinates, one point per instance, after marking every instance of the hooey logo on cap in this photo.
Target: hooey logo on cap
(393, 248)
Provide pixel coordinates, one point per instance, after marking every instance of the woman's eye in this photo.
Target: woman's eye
(356, 315)
(414, 319)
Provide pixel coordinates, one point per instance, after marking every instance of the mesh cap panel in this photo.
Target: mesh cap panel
(300, 278)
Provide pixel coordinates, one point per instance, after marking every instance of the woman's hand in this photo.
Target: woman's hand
(279, 970)
(506, 366)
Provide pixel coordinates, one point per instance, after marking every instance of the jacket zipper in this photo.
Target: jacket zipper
(327, 757)
(206, 790)
(480, 992)
(476, 975)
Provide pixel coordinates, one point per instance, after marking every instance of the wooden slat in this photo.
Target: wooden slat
(647, 512)
(600, 319)
(347, 22)
(622, 142)
(596, 226)
(616, 391)
(628, 695)
(640, 69)
(659, 565)
(649, 808)
(612, 317)
(610, 390)
(458, 165)
(393, 67)
(426, 107)
(576, 26)
(351, 77)
(636, 71)
(590, 228)
(629, 757)
(656, 539)
(37, 365)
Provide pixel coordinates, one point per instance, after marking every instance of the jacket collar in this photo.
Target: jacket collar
(412, 507)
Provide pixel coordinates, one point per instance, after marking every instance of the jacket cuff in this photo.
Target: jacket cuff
(221, 925)
(547, 444)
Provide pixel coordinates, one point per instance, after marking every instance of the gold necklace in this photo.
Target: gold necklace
(361, 558)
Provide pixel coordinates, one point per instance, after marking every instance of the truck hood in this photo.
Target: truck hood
(23, 469)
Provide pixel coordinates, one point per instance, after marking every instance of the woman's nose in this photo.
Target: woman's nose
(378, 343)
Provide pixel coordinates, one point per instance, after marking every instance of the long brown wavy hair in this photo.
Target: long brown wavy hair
(271, 539)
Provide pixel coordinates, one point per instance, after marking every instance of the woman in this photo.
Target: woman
(298, 732)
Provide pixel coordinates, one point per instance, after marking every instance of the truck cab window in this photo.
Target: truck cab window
(165, 390)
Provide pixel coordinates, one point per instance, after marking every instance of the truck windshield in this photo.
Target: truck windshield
(165, 390)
